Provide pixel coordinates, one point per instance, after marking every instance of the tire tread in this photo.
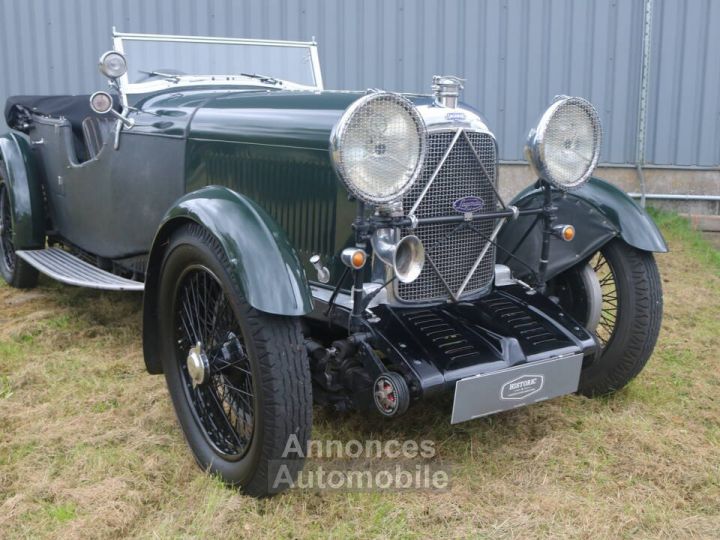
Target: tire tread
(640, 296)
(285, 374)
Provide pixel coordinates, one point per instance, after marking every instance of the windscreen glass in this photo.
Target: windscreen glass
(153, 59)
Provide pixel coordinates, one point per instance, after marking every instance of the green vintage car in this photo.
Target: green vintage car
(296, 244)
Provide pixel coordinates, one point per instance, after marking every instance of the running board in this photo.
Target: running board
(67, 268)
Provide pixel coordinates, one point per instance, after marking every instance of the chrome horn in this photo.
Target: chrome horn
(405, 256)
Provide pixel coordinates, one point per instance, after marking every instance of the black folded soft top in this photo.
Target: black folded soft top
(74, 108)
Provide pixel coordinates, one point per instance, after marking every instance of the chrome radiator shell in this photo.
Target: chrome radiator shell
(469, 169)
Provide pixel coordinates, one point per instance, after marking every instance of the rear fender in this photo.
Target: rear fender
(264, 262)
(25, 191)
(599, 212)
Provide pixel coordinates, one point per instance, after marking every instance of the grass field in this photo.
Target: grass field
(89, 445)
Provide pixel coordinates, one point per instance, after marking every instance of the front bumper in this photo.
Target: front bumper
(435, 347)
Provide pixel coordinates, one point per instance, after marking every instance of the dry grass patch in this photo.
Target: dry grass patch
(89, 446)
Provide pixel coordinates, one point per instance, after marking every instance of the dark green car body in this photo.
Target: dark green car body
(269, 147)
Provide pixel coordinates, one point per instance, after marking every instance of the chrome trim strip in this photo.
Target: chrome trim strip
(323, 294)
(316, 66)
(344, 300)
(211, 39)
(122, 82)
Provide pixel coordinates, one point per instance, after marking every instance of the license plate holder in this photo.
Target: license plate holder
(505, 389)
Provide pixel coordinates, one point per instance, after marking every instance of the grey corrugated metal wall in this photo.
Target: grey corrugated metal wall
(684, 113)
(515, 54)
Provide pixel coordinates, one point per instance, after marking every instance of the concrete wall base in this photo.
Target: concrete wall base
(704, 223)
(513, 178)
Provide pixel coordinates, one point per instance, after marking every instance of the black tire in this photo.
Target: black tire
(631, 315)
(257, 394)
(16, 272)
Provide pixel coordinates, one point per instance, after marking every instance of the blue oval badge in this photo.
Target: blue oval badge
(468, 205)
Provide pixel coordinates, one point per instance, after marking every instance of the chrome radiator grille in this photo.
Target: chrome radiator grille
(452, 249)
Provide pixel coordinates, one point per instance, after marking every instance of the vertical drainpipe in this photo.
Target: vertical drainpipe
(644, 90)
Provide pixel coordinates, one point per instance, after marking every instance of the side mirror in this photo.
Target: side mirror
(113, 65)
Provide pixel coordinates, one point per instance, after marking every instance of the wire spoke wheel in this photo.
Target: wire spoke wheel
(617, 295)
(6, 230)
(214, 365)
(238, 377)
(609, 305)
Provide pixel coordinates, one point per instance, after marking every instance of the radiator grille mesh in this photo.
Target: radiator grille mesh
(452, 249)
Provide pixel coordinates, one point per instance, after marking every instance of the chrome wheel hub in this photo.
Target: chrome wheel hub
(197, 365)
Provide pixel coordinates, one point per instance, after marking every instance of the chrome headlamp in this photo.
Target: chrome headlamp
(565, 146)
(378, 147)
(113, 65)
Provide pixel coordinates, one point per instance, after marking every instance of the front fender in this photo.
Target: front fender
(264, 261)
(25, 191)
(599, 212)
(261, 256)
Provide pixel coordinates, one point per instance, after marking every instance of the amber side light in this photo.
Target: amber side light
(358, 259)
(568, 233)
(353, 258)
